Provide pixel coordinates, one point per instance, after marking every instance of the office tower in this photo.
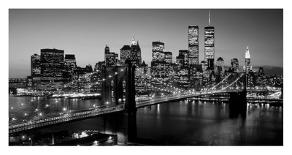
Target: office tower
(136, 51)
(131, 53)
(182, 58)
(99, 66)
(209, 45)
(168, 57)
(219, 69)
(193, 44)
(35, 65)
(182, 69)
(158, 63)
(70, 66)
(234, 65)
(125, 54)
(111, 58)
(70, 62)
(52, 65)
(247, 60)
(157, 51)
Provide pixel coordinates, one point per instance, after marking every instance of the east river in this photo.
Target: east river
(174, 123)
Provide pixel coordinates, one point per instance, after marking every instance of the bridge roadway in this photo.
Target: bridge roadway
(13, 128)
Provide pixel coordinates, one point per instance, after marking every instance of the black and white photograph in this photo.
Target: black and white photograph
(145, 77)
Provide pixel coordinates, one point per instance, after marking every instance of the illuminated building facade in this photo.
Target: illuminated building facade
(234, 65)
(158, 63)
(182, 69)
(168, 57)
(136, 52)
(182, 58)
(111, 58)
(125, 54)
(193, 44)
(142, 81)
(52, 65)
(132, 53)
(219, 69)
(70, 66)
(157, 51)
(209, 45)
(247, 60)
(35, 65)
(70, 62)
(99, 66)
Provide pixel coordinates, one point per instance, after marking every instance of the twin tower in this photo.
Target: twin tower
(209, 45)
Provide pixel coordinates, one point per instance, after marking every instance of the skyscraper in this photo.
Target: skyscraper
(52, 65)
(168, 57)
(193, 44)
(136, 51)
(182, 69)
(111, 58)
(247, 60)
(209, 45)
(131, 53)
(35, 65)
(125, 54)
(157, 51)
(70, 66)
(70, 62)
(158, 62)
(234, 65)
(219, 69)
(182, 58)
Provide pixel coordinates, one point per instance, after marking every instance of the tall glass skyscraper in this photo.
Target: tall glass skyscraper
(35, 65)
(52, 64)
(209, 45)
(247, 60)
(193, 44)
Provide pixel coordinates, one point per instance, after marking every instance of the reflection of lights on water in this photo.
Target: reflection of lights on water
(158, 108)
(95, 142)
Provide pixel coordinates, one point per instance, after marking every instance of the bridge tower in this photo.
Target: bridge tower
(238, 101)
(130, 103)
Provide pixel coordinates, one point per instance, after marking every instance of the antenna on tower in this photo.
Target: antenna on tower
(209, 18)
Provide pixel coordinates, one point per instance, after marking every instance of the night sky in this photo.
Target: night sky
(86, 32)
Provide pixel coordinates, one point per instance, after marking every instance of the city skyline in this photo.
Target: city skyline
(75, 32)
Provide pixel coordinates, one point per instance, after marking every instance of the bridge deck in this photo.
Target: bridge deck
(96, 112)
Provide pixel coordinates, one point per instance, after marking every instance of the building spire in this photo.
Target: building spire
(247, 54)
(209, 18)
(133, 41)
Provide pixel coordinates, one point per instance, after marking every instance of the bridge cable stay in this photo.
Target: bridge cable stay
(232, 82)
(221, 81)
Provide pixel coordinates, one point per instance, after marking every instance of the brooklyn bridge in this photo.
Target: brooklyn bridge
(118, 93)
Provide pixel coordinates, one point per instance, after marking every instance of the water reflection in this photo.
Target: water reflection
(174, 123)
